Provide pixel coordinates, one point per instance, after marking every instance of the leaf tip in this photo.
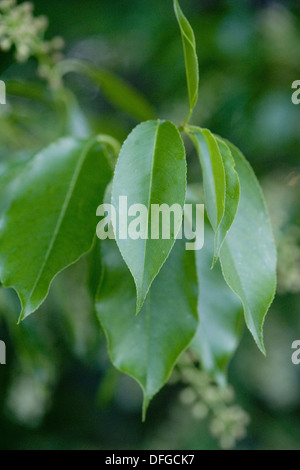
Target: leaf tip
(146, 402)
(258, 338)
(262, 348)
(139, 304)
(23, 315)
(215, 259)
(141, 296)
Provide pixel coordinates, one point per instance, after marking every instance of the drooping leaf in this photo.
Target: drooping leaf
(94, 268)
(10, 175)
(75, 122)
(220, 315)
(93, 258)
(107, 387)
(248, 254)
(147, 346)
(214, 178)
(63, 104)
(52, 220)
(122, 95)
(111, 147)
(151, 169)
(232, 196)
(190, 56)
(29, 90)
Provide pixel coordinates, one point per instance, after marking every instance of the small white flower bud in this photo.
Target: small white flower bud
(7, 4)
(5, 44)
(188, 396)
(23, 53)
(41, 23)
(57, 43)
(26, 7)
(200, 410)
(227, 442)
(217, 427)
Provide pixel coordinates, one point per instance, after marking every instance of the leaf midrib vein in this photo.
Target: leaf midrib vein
(61, 215)
(149, 198)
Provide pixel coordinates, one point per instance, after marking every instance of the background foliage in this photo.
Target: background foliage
(58, 389)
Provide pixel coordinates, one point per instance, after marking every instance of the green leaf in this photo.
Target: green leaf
(214, 178)
(52, 219)
(151, 169)
(29, 90)
(107, 387)
(10, 175)
(75, 122)
(94, 268)
(190, 56)
(248, 255)
(232, 196)
(147, 346)
(220, 315)
(119, 93)
(111, 147)
(94, 260)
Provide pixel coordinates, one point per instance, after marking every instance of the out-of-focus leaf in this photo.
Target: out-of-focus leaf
(107, 387)
(29, 90)
(151, 169)
(94, 258)
(76, 123)
(94, 271)
(248, 254)
(10, 175)
(147, 346)
(122, 95)
(220, 315)
(52, 220)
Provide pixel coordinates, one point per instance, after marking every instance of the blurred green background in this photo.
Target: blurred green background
(58, 390)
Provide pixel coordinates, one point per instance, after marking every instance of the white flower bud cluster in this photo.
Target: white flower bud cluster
(228, 421)
(21, 30)
(289, 260)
